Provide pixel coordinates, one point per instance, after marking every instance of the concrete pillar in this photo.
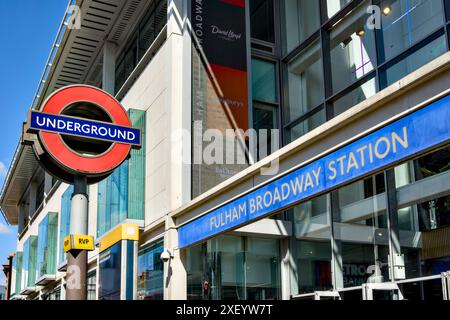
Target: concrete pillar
(175, 279)
(109, 67)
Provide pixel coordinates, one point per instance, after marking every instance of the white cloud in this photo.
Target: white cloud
(4, 229)
(2, 169)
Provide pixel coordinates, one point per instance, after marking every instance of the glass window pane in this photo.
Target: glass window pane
(64, 227)
(305, 82)
(416, 60)
(361, 93)
(301, 18)
(91, 286)
(424, 227)
(46, 251)
(312, 249)
(361, 234)
(113, 199)
(32, 262)
(263, 81)
(306, 126)
(334, 6)
(262, 262)
(447, 10)
(152, 25)
(422, 290)
(194, 272)
(233, 267)
(404, 22)
(262, 20)
(150, 280)
(136, 169)
(121, 195)
(18, 266)
(126, 65)
(110, 271)
(265, 118)
(353, 51)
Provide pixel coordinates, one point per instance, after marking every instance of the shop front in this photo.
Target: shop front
(369, 219)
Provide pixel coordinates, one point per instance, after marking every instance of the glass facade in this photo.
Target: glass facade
(300, 20)
(327, 58)
(234, 268)
(18, 260)
(312, 244)
(110, 273)
(332, 63)
(29, 262)
(408, 22)
(121, 195)
(46, 252)
(342, 240)
(150, 279)
(64, 223)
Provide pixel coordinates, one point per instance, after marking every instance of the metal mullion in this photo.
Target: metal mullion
(446, 21)
(270, 103)
(392, 219)
(353, 86)
(380, 78)
(446, 7)
(341, 14)
(305, 44)
(277, 29)
(304, 116)
(326, 71)
(447, 35)
(284, 99)
(323, 11)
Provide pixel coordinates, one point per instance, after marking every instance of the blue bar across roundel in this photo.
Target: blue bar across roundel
(90, 129)
(402, 139)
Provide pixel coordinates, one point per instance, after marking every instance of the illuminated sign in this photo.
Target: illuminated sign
(402, 139)
(81, 130)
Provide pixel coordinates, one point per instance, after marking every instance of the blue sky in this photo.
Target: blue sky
(27, 31)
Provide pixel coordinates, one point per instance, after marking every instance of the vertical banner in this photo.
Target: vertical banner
(219, 84)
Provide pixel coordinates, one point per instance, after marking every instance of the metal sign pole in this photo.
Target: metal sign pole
(77, 259)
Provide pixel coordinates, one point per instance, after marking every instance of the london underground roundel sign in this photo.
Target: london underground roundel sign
(81, 130)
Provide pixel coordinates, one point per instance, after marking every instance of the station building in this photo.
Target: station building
(330, 81)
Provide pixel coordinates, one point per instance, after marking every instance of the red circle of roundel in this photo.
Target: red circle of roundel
(66, 157)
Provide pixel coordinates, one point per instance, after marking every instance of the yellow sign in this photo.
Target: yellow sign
(78, 242)
(67, 244)
(125, 231)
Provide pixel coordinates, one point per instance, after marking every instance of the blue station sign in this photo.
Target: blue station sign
(402, 139)
(73, 126)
